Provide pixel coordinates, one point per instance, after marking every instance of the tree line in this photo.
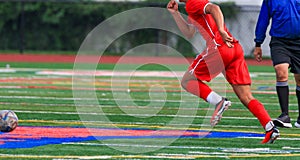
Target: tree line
(62, 26)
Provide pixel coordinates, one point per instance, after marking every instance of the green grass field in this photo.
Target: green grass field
(45, 101)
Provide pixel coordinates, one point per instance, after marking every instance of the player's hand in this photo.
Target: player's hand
(227, 39)
(258, 53)
(172, 6)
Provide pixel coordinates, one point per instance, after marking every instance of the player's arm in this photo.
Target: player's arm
(217, 14)
(260, 30)
(187, 29)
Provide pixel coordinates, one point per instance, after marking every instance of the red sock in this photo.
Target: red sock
(198, 88)
(258, 110)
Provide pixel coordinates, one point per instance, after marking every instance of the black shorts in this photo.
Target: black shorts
(286, 51)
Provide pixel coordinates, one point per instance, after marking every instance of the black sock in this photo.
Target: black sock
(283, 97)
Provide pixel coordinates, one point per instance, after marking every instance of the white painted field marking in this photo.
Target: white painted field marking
(53, 156)
(121, 114)
(132, 73)
(280, 138)
(215, 151)
(116, 99)
(135, 145)
(6, 70)
(114, 73)
(227, 153)
(163, 156)
(41, 97)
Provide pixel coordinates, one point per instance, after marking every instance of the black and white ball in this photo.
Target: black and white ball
(8, 121)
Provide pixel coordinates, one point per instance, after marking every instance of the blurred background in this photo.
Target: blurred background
(60, 26)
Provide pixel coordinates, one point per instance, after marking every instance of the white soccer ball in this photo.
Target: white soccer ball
(8, 121)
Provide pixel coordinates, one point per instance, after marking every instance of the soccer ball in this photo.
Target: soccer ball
(8, 121)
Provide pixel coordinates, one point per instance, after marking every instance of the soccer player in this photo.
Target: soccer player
(285, 49)
(223, 54)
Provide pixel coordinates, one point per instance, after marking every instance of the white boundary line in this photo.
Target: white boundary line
(115, 99)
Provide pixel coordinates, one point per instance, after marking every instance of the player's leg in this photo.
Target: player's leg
(245, 96)
(204, 68)
(281, 57)
(258, 110)
(191, 84)
(238, 76)
(282, 89)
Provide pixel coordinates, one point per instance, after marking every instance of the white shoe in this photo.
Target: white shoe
(297, 125)
(221, 107)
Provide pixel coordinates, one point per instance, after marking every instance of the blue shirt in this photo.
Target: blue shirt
(285, 15)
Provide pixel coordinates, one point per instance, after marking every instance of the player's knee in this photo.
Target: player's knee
(185, 80)
(281, 75)
(184, 84)
(282, 78)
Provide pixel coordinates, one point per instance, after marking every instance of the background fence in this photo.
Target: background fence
(34, 25)
(243, 28)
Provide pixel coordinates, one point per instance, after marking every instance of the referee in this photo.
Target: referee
(285, 49)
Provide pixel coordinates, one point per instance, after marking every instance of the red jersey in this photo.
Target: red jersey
(205, 23)
(208, 64)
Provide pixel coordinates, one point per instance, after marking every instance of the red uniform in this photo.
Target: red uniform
(217, 57)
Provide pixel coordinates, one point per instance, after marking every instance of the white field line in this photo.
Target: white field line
(121, 114)
(224, 151)
(104, 93)
(131, 73)
(211, 150)
(215, 83)
(83, 99)
(157, 156)
(108, 156)
(6, 70)
(206, 151)
(21, 156)
(169, 147)
(127, 107)
(45, 98)
(114, 73)
(116, 99)
(280, 138)
(120, 100)
(92, 72)
(102, 99)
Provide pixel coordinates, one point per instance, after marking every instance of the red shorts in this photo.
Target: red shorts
(229, 61)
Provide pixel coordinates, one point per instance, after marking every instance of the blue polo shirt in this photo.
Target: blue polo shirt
(285, 15)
